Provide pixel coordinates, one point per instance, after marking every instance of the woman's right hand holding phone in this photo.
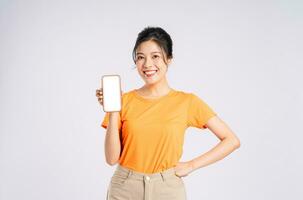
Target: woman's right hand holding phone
(99, 95)
(112, 136)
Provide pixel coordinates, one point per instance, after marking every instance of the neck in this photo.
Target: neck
(157, 89)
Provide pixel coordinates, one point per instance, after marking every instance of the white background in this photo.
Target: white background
(244, 58)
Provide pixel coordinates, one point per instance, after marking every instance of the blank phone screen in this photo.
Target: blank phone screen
(111, 93)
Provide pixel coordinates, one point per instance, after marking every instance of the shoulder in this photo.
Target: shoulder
(186, 94)
(126, 94)
(191, 97)
(129, 95)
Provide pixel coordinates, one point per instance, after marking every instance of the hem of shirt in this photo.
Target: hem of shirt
(104, 126)
(204, 125)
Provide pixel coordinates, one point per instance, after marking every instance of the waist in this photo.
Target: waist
(141, 176)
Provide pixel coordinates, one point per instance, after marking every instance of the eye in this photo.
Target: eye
(139, 57)
(156, 56)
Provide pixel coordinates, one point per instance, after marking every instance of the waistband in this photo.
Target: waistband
(144, 176)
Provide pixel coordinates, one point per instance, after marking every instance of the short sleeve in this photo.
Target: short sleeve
(199, 112)
(106, 120)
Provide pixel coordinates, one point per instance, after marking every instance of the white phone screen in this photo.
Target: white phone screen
(111, 85)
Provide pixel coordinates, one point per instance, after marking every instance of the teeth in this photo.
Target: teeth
(150, 72)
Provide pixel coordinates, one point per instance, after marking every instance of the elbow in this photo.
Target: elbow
(111, 162)
(236, 143)
(233, 141)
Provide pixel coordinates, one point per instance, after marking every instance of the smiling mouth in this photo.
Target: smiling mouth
(150, 73)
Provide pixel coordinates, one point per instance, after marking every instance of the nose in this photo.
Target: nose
(148, 63)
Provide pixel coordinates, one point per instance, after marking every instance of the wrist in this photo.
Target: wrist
(113, 114)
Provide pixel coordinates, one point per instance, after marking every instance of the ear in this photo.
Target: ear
(169, 60)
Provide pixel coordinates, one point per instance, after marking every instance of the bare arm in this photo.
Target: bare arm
(229, 142)
(112, 143)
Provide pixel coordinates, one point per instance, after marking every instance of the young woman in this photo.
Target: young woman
(146, 137)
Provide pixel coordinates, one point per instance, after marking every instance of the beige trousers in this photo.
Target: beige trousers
(126, 184)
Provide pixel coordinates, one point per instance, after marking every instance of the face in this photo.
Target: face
(150, 62)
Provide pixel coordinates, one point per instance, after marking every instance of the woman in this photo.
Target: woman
(146, 137)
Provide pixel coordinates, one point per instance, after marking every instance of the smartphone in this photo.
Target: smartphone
(111, 85)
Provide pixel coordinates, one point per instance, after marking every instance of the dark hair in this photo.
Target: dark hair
(158, 35)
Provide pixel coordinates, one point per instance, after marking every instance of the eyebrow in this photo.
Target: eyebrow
(151, 52)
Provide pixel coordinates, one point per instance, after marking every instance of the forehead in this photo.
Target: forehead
(148, 47)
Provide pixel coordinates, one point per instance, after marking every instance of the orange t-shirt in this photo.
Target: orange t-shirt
(153, 129)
